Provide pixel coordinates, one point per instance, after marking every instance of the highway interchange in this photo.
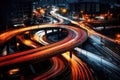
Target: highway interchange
(76, 36)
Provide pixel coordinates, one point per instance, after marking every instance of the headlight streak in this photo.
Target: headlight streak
(58, 64)
(77, 38)
(82, 25)
(79, 69)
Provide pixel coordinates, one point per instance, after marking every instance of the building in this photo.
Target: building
(14, 10)
(91, 6)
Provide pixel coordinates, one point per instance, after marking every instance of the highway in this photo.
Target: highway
(59, 67)
(109, 59)
(79, 68)
(59, 64)
(25, 56)
(76, 36)
(83, 25)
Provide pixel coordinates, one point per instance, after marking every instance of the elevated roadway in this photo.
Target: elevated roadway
(75, 37)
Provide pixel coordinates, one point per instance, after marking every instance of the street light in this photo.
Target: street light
(64, 10)
(81, 13)
(42, 11)
(18, 44)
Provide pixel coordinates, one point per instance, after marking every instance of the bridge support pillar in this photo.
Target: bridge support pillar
(59, 33)
(104, 28)
(70, 54)
(7, 48)
(45, 32)
(58, 30)
(52, 30)
(15, 43)
(32, 69)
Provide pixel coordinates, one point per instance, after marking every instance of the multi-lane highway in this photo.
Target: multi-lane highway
(59, 66)
(76, 36)
(83, 25)
(113, 66)
(79, 68)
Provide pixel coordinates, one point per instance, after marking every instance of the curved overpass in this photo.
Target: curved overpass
(75, 37)
(79, 69)
(59, 66)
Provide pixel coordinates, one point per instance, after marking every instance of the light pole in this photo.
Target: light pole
(81, 13)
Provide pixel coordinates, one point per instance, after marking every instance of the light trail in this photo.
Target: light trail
(79, 69)
(27, 41)
(58, 64)
(96, 58)
(76, 36)
(84, 26)
(39, 38)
